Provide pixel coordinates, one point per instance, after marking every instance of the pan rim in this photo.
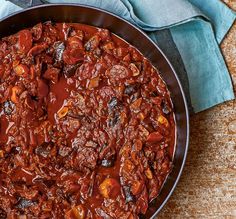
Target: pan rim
(186, 114)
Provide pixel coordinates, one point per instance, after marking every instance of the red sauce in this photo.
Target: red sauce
(87, 125)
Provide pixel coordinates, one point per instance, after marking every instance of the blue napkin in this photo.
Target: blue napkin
(189, 33)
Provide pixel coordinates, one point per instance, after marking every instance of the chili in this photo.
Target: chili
(87, 125)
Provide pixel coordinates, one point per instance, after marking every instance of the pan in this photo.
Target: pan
(101, 18)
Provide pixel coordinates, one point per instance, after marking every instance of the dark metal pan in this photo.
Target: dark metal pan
(100, 18)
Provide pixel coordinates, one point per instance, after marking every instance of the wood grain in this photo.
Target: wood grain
(207, 188)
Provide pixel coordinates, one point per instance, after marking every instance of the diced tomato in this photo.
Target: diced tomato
(154, 137)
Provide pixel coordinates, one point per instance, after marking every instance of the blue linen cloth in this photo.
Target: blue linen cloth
(189, 33)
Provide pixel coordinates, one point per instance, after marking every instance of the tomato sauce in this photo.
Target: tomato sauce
(87, 126)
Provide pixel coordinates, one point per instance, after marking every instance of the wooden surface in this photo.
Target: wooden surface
(207, 188)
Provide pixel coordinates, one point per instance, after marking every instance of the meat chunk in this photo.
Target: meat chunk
(117, 73)
(85, 158)
(24, 41)
(52, 74)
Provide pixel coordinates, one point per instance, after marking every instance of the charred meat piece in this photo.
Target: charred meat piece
(44, 149)
(3, 214)
(108, 162)
(8, 107)
(131, 88)
(114, 103)
(128, 195)
(24, 203)
(59, 48)
(69, 70)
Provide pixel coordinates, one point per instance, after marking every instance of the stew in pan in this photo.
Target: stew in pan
(87, 126)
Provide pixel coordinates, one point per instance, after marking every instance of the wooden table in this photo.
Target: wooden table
(207, 188)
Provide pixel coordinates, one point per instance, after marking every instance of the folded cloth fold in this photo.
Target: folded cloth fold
(188, 31)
